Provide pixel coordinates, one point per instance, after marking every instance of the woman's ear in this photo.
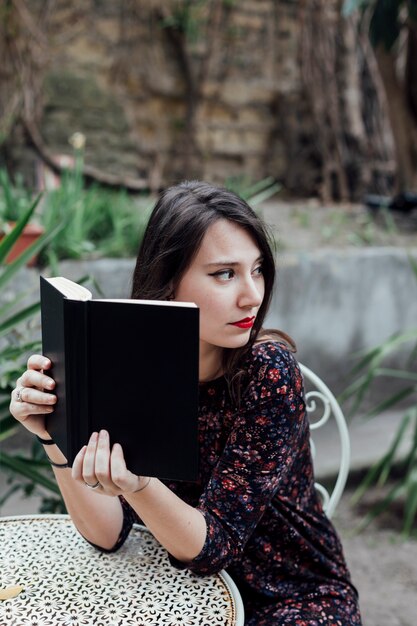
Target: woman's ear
(170, 292)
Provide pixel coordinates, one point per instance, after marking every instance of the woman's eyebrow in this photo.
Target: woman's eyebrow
(217, 263)
(229, 263)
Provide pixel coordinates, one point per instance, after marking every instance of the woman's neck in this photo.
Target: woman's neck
(210, 365)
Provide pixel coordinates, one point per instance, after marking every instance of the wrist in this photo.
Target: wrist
(43, 435)
(53, 453)
(143, 483)
(45, 441)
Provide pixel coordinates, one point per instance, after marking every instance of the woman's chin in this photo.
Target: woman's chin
(237, 342)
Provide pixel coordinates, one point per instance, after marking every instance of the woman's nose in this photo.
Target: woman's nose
(252, 293)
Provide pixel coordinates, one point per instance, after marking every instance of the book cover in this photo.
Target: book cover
(128, 366)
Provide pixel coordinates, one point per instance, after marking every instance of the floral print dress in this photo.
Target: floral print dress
(265, 523)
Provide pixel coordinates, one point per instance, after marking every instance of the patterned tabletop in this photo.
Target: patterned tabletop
(68, 582)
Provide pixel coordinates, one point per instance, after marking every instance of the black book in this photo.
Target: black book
(128, 366)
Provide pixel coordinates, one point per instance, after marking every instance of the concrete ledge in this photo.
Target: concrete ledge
(333, 303)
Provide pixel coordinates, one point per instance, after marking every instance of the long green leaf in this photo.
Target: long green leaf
(23, 468)
(410, 504)
(15, 351)
(10, 270)
(351, 390)
(7, 422)
(413, 355)
(411, 458)
(380, 468)
(18, 317)
(33, 462)
(397, 491)
(368, 358)
(362, 384)
(370, 478)
(375, 355)
(7, 193)
(362, 388)
(395, 373)
(9, 306)
(390, 455)
(8, 242)
(391, 401)
(8, 493)
(253, 201)
(8, 430)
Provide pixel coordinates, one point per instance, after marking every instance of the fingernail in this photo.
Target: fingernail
(50, 384)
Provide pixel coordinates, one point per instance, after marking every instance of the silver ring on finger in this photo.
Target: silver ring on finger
(19, 394)
(97, 484)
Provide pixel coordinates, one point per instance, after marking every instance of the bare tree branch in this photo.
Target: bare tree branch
(89, 172)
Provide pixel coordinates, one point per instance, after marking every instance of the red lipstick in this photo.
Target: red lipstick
(247, 322)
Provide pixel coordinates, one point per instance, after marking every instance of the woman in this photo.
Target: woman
(254, 509)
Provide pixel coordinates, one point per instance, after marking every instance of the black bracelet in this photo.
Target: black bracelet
(62, 465)
(45, 442)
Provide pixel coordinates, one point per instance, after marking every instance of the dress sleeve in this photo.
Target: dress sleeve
(256, 461)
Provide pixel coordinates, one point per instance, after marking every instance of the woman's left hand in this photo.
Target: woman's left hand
(104, 470)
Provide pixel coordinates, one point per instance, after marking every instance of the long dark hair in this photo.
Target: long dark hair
(173, 237)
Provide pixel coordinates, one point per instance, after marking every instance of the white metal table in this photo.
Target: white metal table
(68, 582)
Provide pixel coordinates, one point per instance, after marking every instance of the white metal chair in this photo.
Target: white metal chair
(319, 397)
(321, 405)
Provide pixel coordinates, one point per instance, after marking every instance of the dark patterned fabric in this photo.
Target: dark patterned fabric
(265, 523)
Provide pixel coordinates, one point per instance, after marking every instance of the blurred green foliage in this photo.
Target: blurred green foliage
(98, 222)
(404, 482)
(15, 346)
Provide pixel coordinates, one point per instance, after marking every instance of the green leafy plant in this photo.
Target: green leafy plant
(103, 223)
(14, 199)
(253, 192)
(15, 345)
(404, 483)
(99, 222)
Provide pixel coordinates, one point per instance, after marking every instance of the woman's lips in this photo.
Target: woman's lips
(247, 322)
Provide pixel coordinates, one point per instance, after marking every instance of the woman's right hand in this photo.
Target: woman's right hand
(29, 402)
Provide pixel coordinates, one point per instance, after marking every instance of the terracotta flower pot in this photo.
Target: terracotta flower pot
(30, 234)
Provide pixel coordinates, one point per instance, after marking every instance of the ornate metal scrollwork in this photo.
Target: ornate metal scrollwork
(311, 408)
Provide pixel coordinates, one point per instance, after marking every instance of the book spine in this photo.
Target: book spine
(77, 375)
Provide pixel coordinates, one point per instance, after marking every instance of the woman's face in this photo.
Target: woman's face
(225, 280)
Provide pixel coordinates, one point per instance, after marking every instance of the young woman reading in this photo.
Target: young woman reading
(254, 509)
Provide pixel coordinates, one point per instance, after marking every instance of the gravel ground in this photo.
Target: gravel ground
(307, 225)
(382, 564)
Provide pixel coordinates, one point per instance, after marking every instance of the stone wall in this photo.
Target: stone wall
(114, 74)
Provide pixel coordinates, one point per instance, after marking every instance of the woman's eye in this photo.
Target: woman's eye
(258, 271)
(224, 274)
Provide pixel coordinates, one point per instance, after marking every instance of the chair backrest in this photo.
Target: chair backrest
(319, 399)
